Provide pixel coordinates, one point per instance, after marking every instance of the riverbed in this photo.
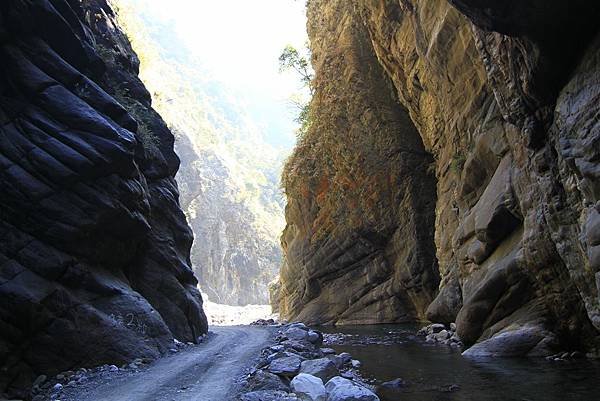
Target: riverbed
(433, 372)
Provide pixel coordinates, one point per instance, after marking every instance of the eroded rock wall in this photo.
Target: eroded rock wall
(94, 248)
(506, 102)
(361, 190)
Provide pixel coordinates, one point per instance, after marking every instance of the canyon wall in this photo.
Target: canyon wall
(94, 247)
(505, 101)
(361, 190)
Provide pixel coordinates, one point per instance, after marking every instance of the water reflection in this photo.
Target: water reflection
(434, 372)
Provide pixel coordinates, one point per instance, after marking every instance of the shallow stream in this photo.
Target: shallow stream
(434, 372)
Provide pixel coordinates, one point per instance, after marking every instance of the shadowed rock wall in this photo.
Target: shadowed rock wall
(505, 99)
(94, 248)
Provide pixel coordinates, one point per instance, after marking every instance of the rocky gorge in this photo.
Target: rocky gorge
(450, 172)
(448, 176)
(94, 247)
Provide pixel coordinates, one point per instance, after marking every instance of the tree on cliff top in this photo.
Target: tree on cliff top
(292, 59)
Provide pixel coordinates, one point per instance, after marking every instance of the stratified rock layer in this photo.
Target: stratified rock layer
(506, 100)
(361, 191)
(94, 248)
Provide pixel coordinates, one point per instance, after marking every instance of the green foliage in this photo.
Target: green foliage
(147, 138)
(107, 55)
(303, 119)
(292, 59)
(457, 163)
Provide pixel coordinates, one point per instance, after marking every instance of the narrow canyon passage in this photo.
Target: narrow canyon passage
(283, 200)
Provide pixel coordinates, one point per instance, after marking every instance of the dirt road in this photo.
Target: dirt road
(206, 372)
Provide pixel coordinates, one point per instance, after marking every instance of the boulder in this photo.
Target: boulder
(268, 395)
(315, 337)
(304, 348)
(340, 360)
(322, 368)
(336, 360)
(309, 388)
(282, 354)
(345, 357)
(340, 389)
(297, 334)
(287, 366)
(396, 383)
(442, 335)
(263, 380)
(523, 341)
(297, 325)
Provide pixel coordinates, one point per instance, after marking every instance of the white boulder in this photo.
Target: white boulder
(340, 389)
(308, 388)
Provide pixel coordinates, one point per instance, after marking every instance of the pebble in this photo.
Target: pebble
(396, 383)
(39, 381)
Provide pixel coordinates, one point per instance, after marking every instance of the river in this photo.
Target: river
(433, 372)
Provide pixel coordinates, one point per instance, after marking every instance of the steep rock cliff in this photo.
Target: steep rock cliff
(506, 101)
(361, 190)
(94, 248)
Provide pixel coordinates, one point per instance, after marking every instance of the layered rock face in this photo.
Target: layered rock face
(361, 190)
(94, 248)
(505, 99)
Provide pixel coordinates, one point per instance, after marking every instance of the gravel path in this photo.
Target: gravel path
(206, 372)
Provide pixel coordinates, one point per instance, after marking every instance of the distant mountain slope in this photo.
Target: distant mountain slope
(229, 175)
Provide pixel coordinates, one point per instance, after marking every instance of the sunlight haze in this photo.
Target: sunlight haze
(246, 41)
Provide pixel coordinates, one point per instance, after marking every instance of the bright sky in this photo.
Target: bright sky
(240, 42)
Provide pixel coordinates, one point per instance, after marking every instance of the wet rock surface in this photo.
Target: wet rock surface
(506, 117)
(94, 249)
